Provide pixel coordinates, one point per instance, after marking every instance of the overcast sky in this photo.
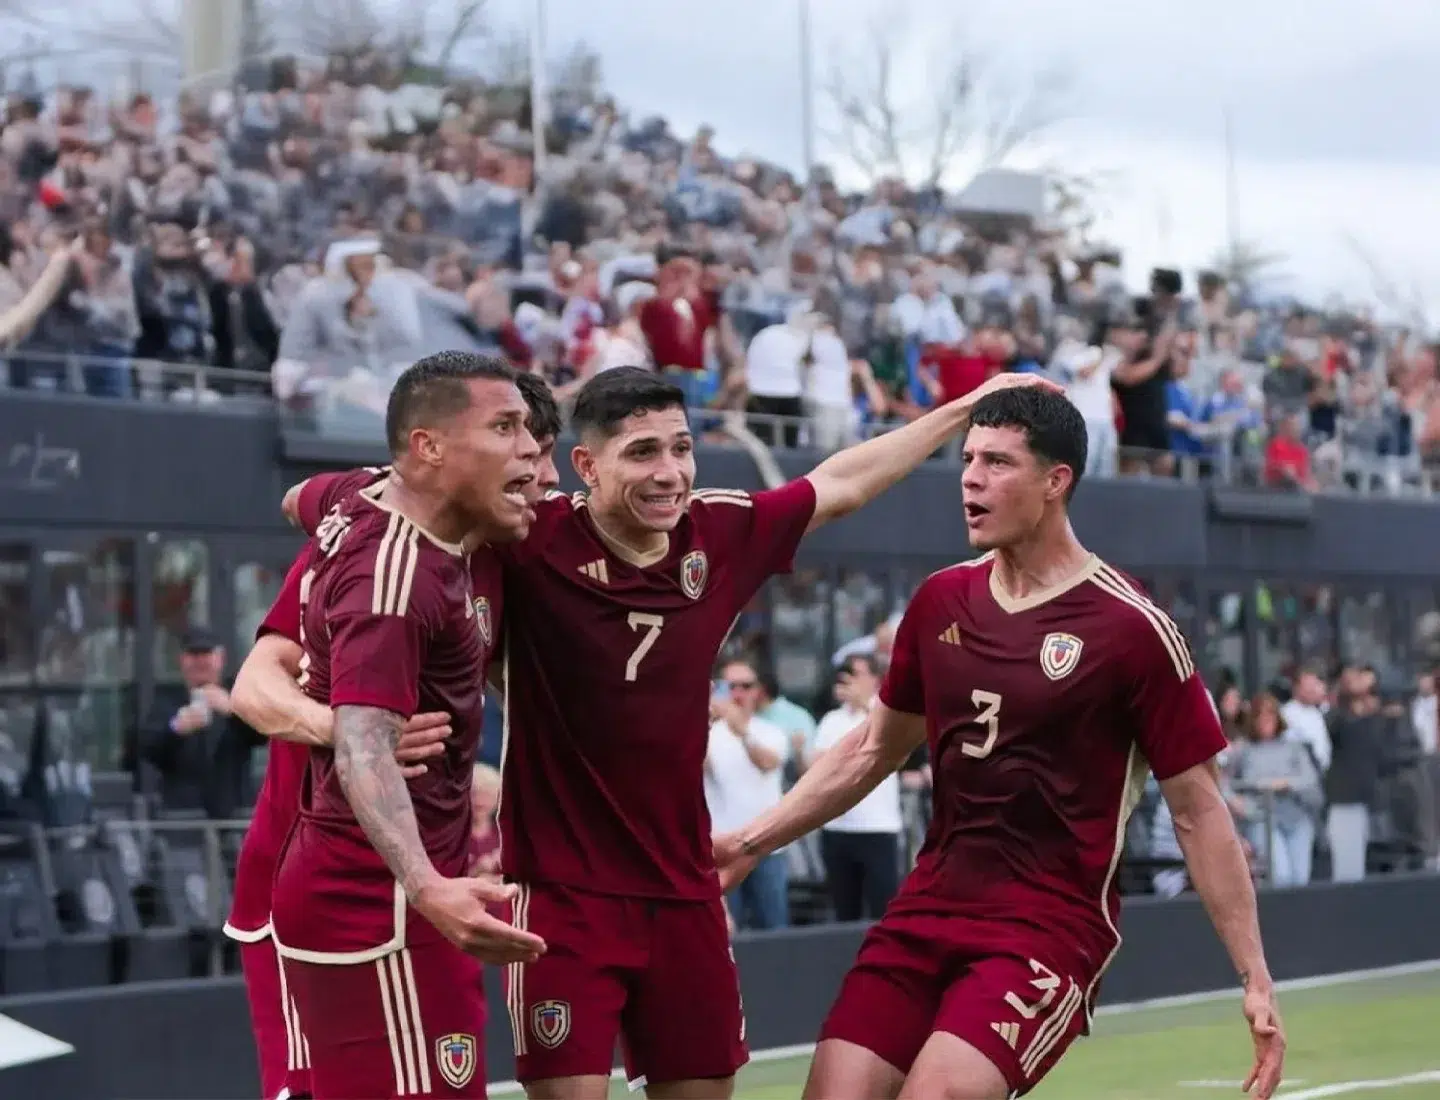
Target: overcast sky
(1332, 102)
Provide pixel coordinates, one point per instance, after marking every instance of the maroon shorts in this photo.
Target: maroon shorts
(279, 1043)
(921, 973)
(658, 975)
(410, 1023)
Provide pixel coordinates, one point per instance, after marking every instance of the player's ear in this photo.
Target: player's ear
(583, 459)
(426, 446)
(1058, 481)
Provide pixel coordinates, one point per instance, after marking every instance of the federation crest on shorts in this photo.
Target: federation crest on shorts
(482, 618)
(550, 1022)
(694, 571)
(455, 1056)
(1059, 654)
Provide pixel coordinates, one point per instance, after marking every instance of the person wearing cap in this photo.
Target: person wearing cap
(192, 738)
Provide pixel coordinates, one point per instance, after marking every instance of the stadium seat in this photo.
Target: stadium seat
(27, 921)
(186, 891)
(152, 951)
(94, 910)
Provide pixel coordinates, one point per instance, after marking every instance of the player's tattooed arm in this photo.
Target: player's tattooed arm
(849, 480)
(365, 743)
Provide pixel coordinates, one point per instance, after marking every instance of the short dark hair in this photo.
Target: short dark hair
(869, 660)
(612, 395)
(434, 388)
(544, 412)
(1054, 429)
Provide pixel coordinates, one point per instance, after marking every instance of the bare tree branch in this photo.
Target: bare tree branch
(469, 23)
(971, 115)
(1410, 308)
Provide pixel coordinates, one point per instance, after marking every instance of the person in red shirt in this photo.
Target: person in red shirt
(1046, 685)
(676, 322)
(1287, 459)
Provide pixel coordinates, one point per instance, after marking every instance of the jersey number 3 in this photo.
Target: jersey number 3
(989, 717)
(652, 625)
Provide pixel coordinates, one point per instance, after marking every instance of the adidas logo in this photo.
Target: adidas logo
(596, 571)
(1010, 1032)
(951, 634)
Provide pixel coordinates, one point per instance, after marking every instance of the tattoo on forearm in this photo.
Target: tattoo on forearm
(365, 740)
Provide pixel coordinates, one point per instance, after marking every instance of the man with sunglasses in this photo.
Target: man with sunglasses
(744, 766)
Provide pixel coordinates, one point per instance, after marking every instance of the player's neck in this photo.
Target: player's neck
(639, 546)
(427, 510)
(1046, 560)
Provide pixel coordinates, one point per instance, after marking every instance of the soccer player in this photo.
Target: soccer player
(1047, 684)
(371, 883)
(624, 594)
(279, 1039)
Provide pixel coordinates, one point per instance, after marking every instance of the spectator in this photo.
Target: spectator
(1188, 432)
(1304, 717)
(201, 750)
(791, 718)
(742, 780)
(1280, 788)
(776, 365)
(1423, 718)
(861, 846)
(1357, 735)
(484, 832)
(1140, 382)
(1287, 461)
(1086, 373)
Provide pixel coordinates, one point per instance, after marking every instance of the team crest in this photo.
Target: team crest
(455, 1055)
(482, 618)
(550, 1021)
(694, 571)
(1059, 654)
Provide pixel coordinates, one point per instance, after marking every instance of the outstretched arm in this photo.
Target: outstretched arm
(268, 697)
(365, 742)
(833, 784)
(849, 480)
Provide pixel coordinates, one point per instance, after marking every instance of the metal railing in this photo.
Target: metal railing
(1230, 460)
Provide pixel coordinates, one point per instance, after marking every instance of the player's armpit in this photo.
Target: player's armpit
(268, 698)
(365, 742)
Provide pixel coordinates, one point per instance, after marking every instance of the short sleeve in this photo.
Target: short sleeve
(376, 658)
(758, 532)
(283, 618)
(1178, 726)
(323, 491)
(904, 686)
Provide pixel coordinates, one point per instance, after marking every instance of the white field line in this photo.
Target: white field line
(1343, 1087)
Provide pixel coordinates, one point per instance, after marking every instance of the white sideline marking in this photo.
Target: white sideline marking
(1286, 1084)
(1343, 1087)
(779, 1054)
(20, 1044)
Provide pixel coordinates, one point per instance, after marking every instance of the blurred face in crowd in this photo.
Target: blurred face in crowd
(1310, 689)
(1425, 685)
(640, 477)
(1265, 721)
(857, 683)
(884, 643)
(200, 668)
(361, 269)
(1231, 704)
(744, 685)
(449, 275)
(484, 797)
(1006, 488)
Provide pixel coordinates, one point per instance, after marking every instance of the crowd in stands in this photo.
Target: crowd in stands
(323, 228)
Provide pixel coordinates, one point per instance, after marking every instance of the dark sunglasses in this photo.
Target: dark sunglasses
(740, 685)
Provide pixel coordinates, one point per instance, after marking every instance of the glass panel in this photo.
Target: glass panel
(1223, 644)
(1425, 634)
(17, 728)
(17, 622)
(800, 607)
(87, 647)
(182, 599)
(256, 587)
(1366, 634)
(1315, 634)
(859, 605)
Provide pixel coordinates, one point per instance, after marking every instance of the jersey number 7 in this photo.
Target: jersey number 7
(653, 624)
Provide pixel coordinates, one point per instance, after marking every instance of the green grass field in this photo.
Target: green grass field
(1358, 1039)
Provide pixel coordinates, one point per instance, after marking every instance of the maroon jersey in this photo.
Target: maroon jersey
(1043, 717)
(393, 621)
(607, 687)
(279, 797)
